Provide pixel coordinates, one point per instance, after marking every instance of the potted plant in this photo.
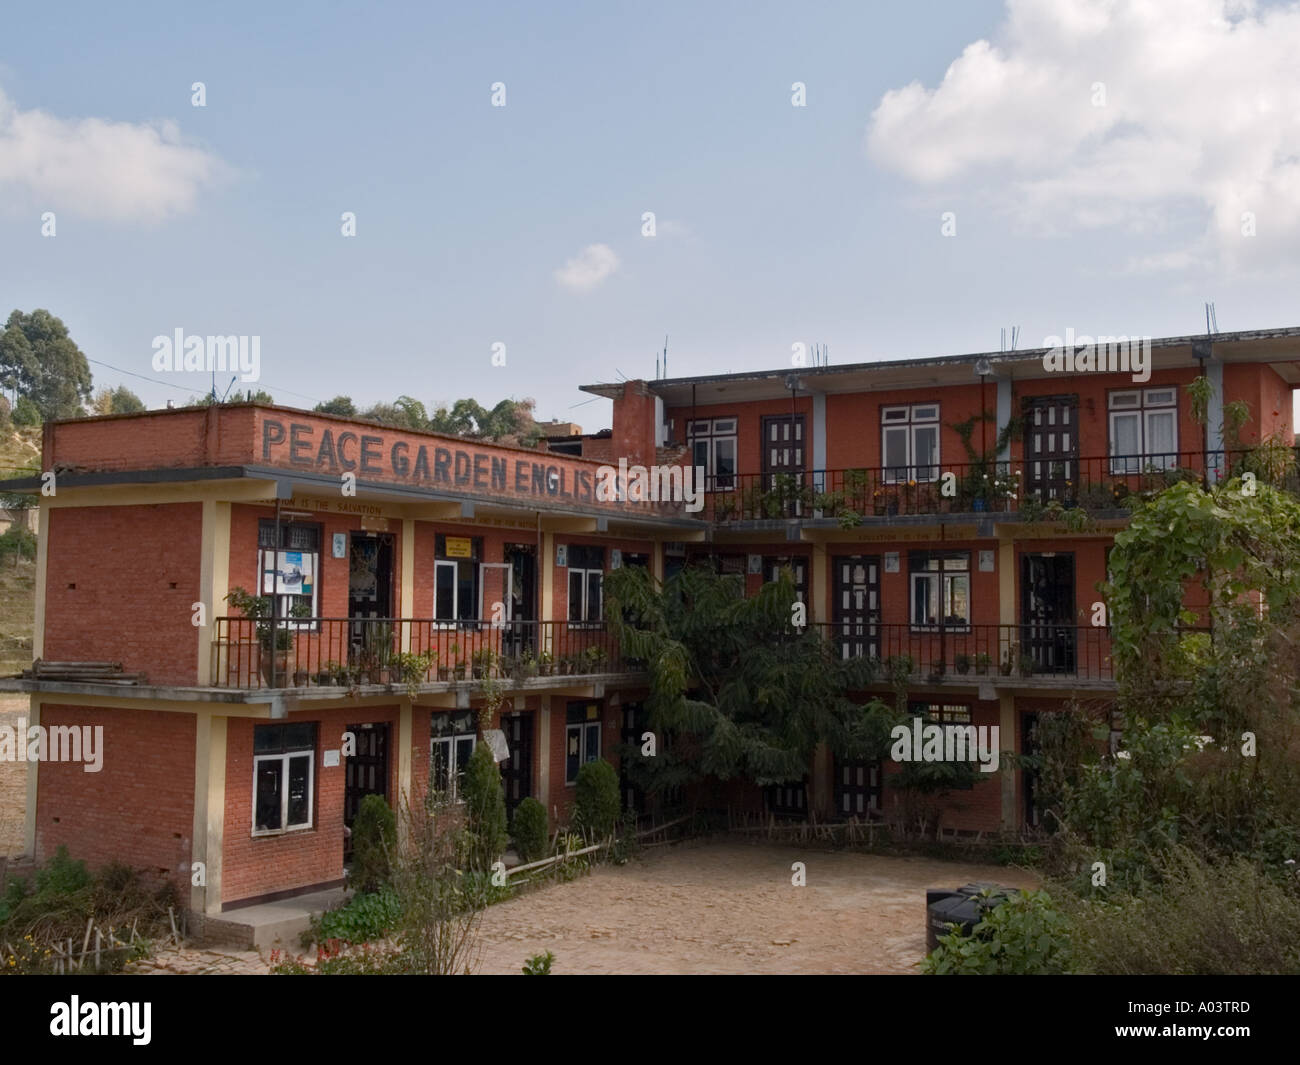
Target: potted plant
(595, 657)
(485, 661)
(413, 668)
(546, 663)
(460, 668)
(300, 677)
(962, 662)
(1026, 665)
(526, 665)
(377, 651)
(444, 669)
(982, 663)
(258, 609)
(1008, 657)
(937, 670)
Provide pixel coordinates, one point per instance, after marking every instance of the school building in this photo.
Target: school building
(918, 528)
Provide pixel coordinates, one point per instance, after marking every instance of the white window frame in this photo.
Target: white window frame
(286, 601)
(949, 572)
(584, 619)
(1142, 404)
(453, 565)
(284, 758)
(910, 419)
(711, 432)
(584, 729)
(450, 741)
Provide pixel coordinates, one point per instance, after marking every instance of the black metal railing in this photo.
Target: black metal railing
(346, 652)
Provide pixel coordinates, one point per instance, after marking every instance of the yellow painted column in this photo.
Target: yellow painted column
(214, 579)
(548, 576)
(29, 815)
(543, 742)
(405, 752)
(821, 587)
(1008, 740)
(209, 810)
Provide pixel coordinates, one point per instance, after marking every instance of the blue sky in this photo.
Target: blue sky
(775, 224)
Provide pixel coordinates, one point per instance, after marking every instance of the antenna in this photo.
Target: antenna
(1015, 336)
(1211, 319)
(665, 355)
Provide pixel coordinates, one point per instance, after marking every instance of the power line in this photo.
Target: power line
(197, 392)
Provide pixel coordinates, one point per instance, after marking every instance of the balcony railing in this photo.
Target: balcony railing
(969, 653)
(1100, 482)
(347, 652)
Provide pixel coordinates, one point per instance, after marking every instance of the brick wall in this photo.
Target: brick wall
(138, 809)
(256, 866)
(121, 584)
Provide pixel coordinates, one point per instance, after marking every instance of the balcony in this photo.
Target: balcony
(1034, 655)
(406, 653)
(1025, 488)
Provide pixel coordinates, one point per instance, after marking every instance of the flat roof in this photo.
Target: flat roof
(1280, 347)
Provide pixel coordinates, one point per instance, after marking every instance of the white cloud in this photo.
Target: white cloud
(1201, 122)
(114, 171)
(589, 268)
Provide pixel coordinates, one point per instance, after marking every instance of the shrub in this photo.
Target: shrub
(365, 917)
(25, 413)
(374, 832)
(1026, 935)
(596, 799)
(485, 810)
(539, 964)
(529, 830)
(1225, 919)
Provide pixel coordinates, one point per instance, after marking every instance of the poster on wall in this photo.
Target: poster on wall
(291, 572)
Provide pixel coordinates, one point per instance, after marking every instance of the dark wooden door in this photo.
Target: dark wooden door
(366, 773)
(1052, 447)
(517, 770)
(1047, 614)
(784, 474)
(634, 722)
(856, 606)
(857, 788)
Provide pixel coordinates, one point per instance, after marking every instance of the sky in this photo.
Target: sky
(946, 171)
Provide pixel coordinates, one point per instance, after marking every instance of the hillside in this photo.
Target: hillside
(19, 449)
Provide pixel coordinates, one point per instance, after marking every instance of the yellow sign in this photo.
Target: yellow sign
(460, 547)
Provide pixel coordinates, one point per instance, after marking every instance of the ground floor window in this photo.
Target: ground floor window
(284, 759)
(857, 787)
(453, 737)
(581, 738)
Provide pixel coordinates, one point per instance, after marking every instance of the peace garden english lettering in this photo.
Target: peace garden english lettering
(364, 454)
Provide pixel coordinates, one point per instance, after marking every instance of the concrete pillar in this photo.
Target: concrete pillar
(209, 810)
(819, 452)
(543, 741)
(1004, 413)
(1009, 740)
(214, 579)
(406, 606)
(33, 768)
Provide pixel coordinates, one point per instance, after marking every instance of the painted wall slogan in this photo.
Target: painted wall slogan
(326, 449)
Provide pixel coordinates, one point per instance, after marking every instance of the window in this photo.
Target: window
(453, 738)
(1143, 430)
(940, 589)
(941, 713)
(909, 443)
(292, 573)
(455, 577)
(586, 582)
(284, 759)
(713, 447)
(581, 738)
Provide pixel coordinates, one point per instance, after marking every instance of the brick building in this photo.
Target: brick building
(916, 532)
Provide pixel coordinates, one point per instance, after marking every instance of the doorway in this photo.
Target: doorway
(370, 579)
(1052, 447)
(521, 561)
(366, 774)
(517, 770)
(856, 606)
(783, 465)
(1047, 616)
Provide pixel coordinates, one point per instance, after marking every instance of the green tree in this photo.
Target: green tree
(485, 810)
(120, 400)
(340, 405)
(374, 834)
(596, 798)
(41, 361)
(736, 687)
